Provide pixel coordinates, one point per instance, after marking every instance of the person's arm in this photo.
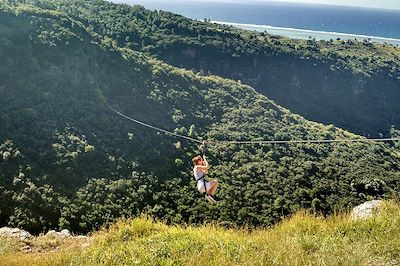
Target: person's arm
(204, 167)
(206, 164)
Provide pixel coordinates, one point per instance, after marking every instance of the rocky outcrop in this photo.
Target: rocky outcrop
(365, 210)
(15, 233)
(63, 233)
(24, 235)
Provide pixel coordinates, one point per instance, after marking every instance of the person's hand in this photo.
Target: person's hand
(204, 157)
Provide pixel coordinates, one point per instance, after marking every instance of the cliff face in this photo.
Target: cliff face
(315, 89)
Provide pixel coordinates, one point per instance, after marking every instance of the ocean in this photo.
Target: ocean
(290, 19)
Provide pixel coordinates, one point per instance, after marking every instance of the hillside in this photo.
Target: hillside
(353, 85)
(69, 162)
(301, 240)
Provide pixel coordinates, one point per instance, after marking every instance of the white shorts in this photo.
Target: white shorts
(200, 186)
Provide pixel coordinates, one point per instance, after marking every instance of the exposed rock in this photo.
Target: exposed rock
(65, 233)
(365, 210)
(15, 233)
(53, 233)
(26, 249)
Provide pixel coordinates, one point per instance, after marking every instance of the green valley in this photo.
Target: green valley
(67, 161)
(353, 85)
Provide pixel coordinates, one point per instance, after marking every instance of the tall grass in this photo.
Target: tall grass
(301, 240)
(45, 251)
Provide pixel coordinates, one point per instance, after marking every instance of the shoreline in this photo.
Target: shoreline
(305, 34)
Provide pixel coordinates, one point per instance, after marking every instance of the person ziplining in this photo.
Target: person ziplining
(201, 165)
(200, 170)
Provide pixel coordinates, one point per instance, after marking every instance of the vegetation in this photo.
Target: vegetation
(301, 240)
(41, 250)
(351, 84)
(67, 161)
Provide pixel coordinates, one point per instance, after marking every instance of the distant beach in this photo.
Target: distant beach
(290, 19)
(306, 34)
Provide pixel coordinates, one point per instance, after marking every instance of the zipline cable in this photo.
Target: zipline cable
(133, 119)
(152, 127)
(318, 141)
(247, 142)
(244, 142)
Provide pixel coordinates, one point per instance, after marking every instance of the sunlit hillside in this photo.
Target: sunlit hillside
(301, 240)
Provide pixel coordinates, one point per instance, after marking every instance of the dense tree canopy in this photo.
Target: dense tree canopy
(351, 84)
(67, 161)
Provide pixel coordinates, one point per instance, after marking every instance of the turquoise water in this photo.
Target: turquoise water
(291, 20)
(288, 19)
(306, 34)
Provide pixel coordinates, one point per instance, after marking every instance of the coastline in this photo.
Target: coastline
(306, 34)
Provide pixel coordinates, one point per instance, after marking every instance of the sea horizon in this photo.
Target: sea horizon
(284, 17)
(305, 34)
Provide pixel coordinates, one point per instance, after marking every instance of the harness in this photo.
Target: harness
(204, 182)
(203, 147)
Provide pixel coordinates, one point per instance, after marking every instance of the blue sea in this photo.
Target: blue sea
(319, 21)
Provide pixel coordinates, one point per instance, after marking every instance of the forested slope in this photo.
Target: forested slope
(68, 161)
(353, 85)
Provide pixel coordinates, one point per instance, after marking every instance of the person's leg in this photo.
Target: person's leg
(209, 186)
(209, 197)
(213, 187)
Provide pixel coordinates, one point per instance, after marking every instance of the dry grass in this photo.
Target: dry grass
(42, 250)
(301, 240)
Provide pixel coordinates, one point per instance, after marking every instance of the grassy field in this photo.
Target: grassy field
(301, 240)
